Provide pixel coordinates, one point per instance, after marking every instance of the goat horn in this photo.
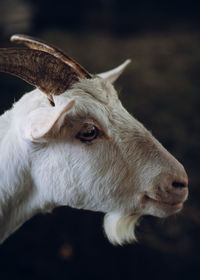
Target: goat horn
(37, 44)
(41, 69)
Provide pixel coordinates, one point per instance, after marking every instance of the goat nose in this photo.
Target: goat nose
(174, 179)
(178, 184)
(181, 179)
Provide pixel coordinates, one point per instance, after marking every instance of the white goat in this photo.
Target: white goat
(79, 147)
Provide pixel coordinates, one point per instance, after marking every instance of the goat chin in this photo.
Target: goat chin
(120, 229)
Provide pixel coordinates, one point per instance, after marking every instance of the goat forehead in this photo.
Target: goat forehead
(99, 96)
(105, 96)
(98, 99)
(100, 89)
(91, 95)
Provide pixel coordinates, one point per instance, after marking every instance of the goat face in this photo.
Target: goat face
(87, 151)
(94, 155)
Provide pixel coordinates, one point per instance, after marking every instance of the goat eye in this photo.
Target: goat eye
(88, 132)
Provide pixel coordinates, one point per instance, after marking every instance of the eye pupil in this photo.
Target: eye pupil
(88, 133)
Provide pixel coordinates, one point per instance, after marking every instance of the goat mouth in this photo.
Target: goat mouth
(163, 204)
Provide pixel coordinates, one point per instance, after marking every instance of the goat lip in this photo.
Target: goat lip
(164, 204)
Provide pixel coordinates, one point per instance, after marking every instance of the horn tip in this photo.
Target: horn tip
(16, 37)
(127, 61)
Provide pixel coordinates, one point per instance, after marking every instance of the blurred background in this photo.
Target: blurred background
(161, 89)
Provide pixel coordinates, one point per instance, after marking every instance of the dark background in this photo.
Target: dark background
(161, 89)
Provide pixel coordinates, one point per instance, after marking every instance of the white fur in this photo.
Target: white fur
(44, 165)
(120, 229)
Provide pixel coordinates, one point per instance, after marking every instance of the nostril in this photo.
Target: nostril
(178, 185)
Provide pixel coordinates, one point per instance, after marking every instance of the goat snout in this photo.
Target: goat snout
(179, 176)
(169, 190)
(172, 185)
(172, 181)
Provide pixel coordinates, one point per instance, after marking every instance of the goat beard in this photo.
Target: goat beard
(120, 229)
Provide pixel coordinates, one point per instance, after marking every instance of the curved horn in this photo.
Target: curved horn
(41, 69)
(38, 44)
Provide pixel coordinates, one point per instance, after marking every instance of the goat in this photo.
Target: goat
(76, 145)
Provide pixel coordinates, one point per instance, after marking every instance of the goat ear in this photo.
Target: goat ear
(114, 74)
(45, 121)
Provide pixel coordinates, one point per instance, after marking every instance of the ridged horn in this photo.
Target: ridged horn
(37, 44)
(41, 69)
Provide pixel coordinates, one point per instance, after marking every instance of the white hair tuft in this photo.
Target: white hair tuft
(120, 229)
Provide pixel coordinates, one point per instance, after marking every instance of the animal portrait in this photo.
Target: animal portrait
(71, 142)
